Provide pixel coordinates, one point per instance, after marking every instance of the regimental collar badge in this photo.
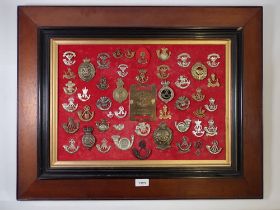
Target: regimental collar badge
(163, 71)
(214, 148)
(69, 74)
(129, 54)
(212, 58)
(70, 107)
(163, 54)
(70, 88)
(198, 131)
(183, 126)
(184, 147)
(200, 112)
(198, 147)
(110, 114)
(118, 54)
(120, 94)
(103, 125)
(84, 96)
(71, 148)
(183, 60)
(143, 152)
(103, 61)
(71, 126)
(142, 129)
(211, 130)
(199, 71)
(119, 127)
(211, 107)
(104, 103)
(102, 85)
(141, 77)
(68, 58)
(85, 114)
(163, 136)
(121, 113)
(198, 96)
(122, 70)
(213, 81)
(103, 148)
(164, 114)
(88, 139)
(182, 82)
(123, 143)
(182, 103)
(165, 94)
(143, 56)
(86, 70)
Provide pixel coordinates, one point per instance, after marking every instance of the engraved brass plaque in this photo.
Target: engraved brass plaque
(142, 103)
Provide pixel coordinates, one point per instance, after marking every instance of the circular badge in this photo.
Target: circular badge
(199, 71)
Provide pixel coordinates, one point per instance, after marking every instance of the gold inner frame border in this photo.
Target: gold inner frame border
(54, 163)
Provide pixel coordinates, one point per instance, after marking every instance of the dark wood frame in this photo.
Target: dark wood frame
(248, 183)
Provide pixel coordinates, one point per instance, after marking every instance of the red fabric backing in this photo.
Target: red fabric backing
(198, 53)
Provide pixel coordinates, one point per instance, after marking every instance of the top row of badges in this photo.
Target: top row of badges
(143, 57)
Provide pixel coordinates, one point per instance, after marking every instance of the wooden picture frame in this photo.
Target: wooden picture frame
(37, 176)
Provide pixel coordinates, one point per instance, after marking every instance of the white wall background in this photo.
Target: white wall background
(8, 99)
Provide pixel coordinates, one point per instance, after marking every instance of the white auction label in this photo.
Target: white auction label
(142, 182)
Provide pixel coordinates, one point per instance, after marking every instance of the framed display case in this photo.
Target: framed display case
(117, 105)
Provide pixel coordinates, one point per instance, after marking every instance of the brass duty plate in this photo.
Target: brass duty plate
(142, 102)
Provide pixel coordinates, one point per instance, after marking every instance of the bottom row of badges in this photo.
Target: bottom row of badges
(162, 138)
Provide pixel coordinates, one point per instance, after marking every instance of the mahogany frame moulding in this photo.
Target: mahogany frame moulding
(248, 184)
